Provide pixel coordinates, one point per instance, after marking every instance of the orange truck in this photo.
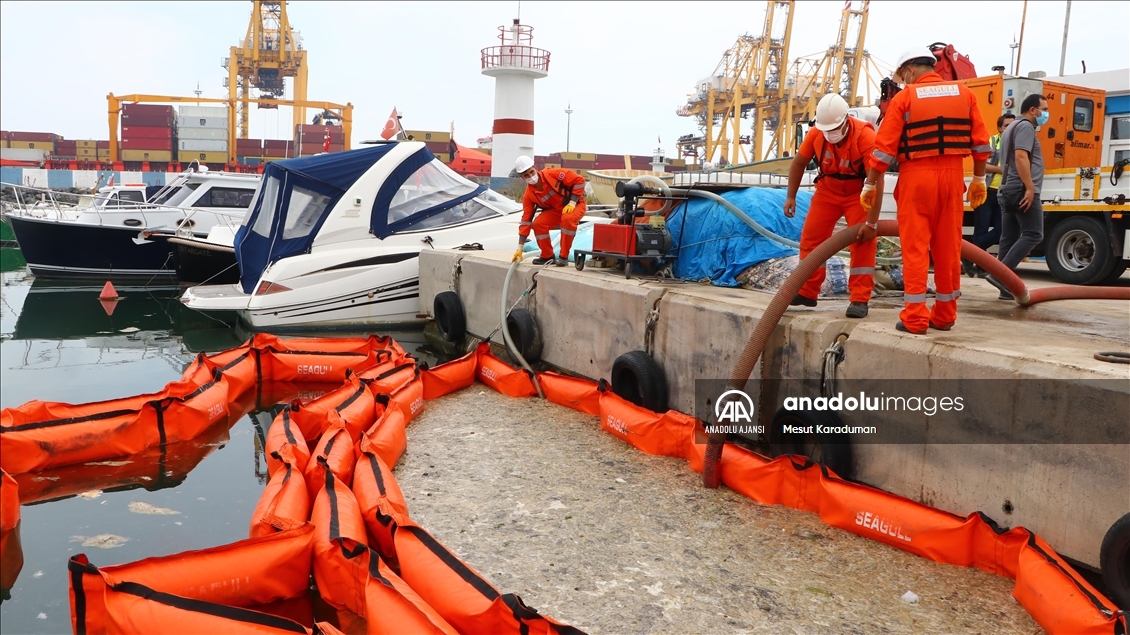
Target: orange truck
(1086, 203)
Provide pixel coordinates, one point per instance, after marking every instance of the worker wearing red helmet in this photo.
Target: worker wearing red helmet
(929, 127)
(842, 147)
(560, 194)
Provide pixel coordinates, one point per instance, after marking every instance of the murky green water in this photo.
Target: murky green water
(58, 344)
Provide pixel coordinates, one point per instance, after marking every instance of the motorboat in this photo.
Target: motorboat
(333, 240)
(119, 236)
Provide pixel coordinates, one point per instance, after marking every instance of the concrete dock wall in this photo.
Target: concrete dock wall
(1062, 491)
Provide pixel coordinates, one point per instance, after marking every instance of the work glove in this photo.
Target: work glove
(977, 192)
(517, 255)
(867, 197)
(568, 209)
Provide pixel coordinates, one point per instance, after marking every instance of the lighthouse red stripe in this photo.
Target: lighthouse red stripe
(513, 126)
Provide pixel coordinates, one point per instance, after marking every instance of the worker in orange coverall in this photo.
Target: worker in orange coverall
(842, 145)
(560, 194)
(929, 127)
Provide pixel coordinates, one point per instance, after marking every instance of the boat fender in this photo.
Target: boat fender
(637, 378)
(450, 318)
(527, 335)
(1114, 561)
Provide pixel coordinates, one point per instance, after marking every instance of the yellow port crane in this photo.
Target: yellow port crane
(754, 79)
(270, 52)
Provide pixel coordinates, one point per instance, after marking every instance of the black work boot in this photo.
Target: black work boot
(541, 261)
(561, 261)
(800, 300)
(1005, 293)
(856, 310)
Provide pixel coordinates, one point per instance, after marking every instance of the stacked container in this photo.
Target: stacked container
(249, 151)
(103, 150)
(4, 138)
(147, 133)
(310, 139)
(86, 150)
(65, 149)
(202, 134)
(33, 140)
(438, 142)
(274, 149)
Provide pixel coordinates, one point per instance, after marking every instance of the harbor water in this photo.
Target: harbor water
(58, 344)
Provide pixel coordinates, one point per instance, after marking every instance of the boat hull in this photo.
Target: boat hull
(68, 250)
(198, 262)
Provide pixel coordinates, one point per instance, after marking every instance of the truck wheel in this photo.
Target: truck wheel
(830, 450)
(1078, 251)
(450, 319)
(637, 378)
(1114, 560)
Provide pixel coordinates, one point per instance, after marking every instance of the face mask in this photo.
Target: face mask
(533, 180)
(836, 135)
(1042, 118)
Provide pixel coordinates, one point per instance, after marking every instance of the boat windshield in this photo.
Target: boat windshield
(267, 201)
(500, 202)
(465, 212)
(433, 185)
(183, 193)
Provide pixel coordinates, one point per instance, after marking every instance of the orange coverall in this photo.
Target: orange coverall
(842, 171)
(929, 127)
(556, 187)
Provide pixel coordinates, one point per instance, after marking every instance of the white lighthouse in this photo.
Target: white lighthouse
(514, 65)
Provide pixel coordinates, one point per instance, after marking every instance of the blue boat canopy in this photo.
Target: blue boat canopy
(297, 195)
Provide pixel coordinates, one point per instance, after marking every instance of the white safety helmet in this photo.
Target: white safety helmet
(522, 164)
(919, 55)
(831, 112)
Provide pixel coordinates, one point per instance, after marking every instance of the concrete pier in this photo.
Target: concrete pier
(1069, 493)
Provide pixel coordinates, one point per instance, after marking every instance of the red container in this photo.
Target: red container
(277, 144)
(609, 165)
(146, 132)
(31, 136)
(146, 143)
(4, 135)
(614, 239)
(315, 148)
(151, 121)
(248, 147)
(148, 109)
(103, 145)
(276, 153)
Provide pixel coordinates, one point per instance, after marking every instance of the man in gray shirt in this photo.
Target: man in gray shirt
(1022, 215)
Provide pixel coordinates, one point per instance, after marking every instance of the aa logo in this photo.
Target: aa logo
(733, 407)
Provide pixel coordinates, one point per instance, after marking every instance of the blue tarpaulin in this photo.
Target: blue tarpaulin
(713, 243)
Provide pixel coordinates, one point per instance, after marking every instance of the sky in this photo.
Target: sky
(624, 67)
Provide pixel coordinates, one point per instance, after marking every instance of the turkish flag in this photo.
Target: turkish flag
(392, 126)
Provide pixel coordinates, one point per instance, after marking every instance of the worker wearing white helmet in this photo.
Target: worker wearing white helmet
(842, 147)
(560, 194)
(930, 127)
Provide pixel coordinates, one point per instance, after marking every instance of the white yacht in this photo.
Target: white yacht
(333, 240)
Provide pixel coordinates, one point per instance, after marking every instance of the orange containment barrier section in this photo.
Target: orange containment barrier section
(206, 591)
(39, 435)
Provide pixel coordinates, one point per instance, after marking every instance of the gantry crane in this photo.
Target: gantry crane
(755, 79)
(269, 53)
(747, 78)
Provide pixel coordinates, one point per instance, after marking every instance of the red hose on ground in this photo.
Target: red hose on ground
(711, 476)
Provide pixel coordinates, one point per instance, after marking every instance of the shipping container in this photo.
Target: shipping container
(248, 144)
(202, 122)
(144, 143)
(438, 146)
(148, 109)
(277, 143)
(3, 143)
(313, 148)
(203, 111)
(48, 146)
(186, 156)
(444, 157)
(146, 132)
(428, 135)
(147, 155)
(5, 135)
(86, 152)
(158, 121)
(319, 137)
(203, 134)
(103, 155)
(573, 164)
(250, 160)
(22, 154)
(32, 136)
(65, 145)
(578, 156)
(277, 153)
(202, 145)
